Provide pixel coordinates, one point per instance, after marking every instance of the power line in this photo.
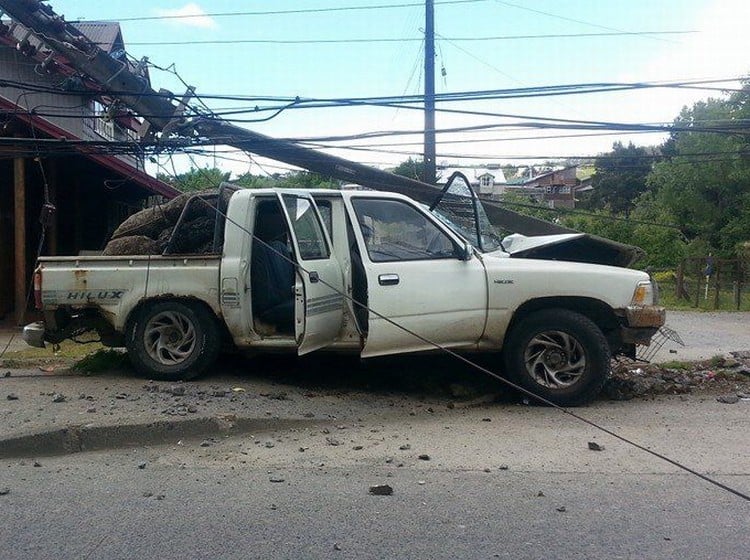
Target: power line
(564, 18)
(281, 12)
(375, 40)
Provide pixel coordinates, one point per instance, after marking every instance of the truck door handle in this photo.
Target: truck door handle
(388, 279)
(314, 277)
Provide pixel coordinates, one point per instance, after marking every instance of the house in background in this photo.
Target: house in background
(558, 187)
(485, 180)
(93, 189)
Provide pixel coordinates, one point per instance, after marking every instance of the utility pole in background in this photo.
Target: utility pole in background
(429, 94)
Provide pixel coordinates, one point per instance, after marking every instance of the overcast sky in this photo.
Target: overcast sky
(717, 48)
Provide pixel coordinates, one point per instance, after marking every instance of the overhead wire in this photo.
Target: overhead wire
(367, 7)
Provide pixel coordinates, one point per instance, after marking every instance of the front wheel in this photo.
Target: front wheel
(559, 355)
(172, 340)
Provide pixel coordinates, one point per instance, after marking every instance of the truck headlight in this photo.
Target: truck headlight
(645, 294)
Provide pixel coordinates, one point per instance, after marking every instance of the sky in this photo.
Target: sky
(707, 39)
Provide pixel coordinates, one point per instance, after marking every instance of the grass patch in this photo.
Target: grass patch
(69, 353)
(677, 365)
(102, 360)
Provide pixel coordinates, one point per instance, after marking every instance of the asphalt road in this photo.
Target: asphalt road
(97, 509)
(303, 492)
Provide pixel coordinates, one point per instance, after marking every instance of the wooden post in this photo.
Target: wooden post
(52, 233)
(680, 281)
(19, 224)
(718, 283)
(698, 276)
(738, 284)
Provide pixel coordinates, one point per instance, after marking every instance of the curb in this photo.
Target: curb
(82, 438)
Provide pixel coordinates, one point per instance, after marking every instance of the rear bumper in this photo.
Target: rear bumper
(33, 334)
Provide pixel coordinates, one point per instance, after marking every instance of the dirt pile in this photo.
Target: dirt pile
(149, 231)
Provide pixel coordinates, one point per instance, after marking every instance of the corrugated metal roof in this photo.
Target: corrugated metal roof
(106, 34)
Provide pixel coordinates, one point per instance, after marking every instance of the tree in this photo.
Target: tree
(620, 178)
(197, 179)
(705, 180)
(411, 168)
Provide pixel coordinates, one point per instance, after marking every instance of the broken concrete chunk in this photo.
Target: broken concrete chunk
(381, 490)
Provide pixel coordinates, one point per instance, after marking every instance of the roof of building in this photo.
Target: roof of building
(472, 173)
(106, 34)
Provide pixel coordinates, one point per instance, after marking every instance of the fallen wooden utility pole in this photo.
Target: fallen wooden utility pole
(115, 79)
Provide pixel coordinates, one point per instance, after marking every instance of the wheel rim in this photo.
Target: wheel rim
(169, 338)
(555, 359)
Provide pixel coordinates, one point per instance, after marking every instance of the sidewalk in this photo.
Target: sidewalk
(10, 337)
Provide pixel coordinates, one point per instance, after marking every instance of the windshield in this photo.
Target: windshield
(459, 209)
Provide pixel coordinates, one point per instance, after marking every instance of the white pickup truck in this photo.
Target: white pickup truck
(360, 271)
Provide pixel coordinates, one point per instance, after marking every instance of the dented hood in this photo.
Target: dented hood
(576, 247)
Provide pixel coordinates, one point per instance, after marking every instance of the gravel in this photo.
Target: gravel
(705, 335)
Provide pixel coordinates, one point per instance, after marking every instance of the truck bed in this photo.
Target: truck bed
(115, 285)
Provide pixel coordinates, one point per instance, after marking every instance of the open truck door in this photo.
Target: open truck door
(319, 303)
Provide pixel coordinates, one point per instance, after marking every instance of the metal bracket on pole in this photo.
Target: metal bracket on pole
(145, 128)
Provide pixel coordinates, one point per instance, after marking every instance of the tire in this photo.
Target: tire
(558, 354)
(172, 340)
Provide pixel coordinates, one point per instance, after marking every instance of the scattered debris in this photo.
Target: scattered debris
(561, 509)
(381, 490)
(37, 464)
(405, 447)
(336, 546)
(176, 390)
(58, 398)
(276, 479)
(4, 491)
(595, 446)
(424, 457)
(142, 465)
(728, 399)
(333, 441)
(540, 494)
(12, 397)
(503, 467)
(207, 443)
(673, 378)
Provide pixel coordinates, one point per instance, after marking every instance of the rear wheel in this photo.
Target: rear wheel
(172, 340)
(559, 355)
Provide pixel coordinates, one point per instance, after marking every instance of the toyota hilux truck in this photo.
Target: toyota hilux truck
(366, 272)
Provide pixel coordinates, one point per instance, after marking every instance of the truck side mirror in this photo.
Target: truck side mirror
(465, 252)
